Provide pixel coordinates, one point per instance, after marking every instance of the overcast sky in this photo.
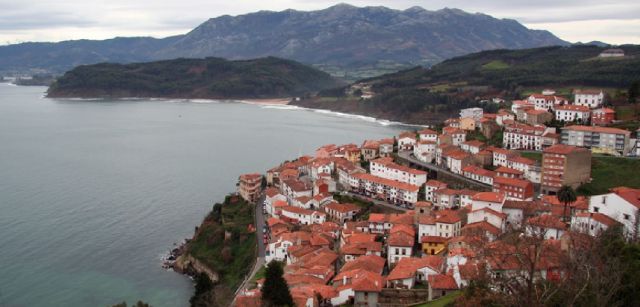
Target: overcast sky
(612, 21)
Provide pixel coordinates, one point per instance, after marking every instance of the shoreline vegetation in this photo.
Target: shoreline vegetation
(220, 254)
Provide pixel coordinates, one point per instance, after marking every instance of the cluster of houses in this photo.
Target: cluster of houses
(443, 236)
(334, 254)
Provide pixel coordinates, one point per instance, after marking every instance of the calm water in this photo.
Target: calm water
(93, 193)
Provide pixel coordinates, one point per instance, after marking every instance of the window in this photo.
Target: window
(596, 209)
(626, 216)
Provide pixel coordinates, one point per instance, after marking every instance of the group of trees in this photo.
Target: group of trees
(275, 292)
(195, 78)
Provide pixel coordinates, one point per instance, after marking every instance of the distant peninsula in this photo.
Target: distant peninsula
(209, 78)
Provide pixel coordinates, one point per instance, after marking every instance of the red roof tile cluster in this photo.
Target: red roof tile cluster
(547, 221)
(442, 282)
(342, 208)
(597, 129)
(478, 171)
(407, 267)
(371, 263)
(492, 197)
(571, 107)
(400, 239)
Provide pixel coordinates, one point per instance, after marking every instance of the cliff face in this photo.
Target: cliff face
(193, 78)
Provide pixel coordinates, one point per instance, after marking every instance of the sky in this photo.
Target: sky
(611, 21)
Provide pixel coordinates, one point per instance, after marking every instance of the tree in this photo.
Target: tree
(566, 195)
(204, 285)
(634, 91)
(275, 291)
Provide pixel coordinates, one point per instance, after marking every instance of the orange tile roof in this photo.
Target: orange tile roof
(442, 282)
(571, 107)
(562, 149)
(493, 197)
(427, 131)
(478, 171)
(520, 183)
(508, 170)
(597, 129)
(342, 208)
(403, 228)
(447, 217)
(371, 263)
(436, 183)
(598, 217)
(547, 221)
(400, 239)
(426, 220)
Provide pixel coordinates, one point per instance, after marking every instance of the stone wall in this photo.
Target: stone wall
(402, 297)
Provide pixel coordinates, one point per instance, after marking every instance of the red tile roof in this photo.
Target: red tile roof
(400, 239)
(493, 197)
(562, 149)
(478, 171)
(597, 129)
(508, 170)
(342, 208)
(547, 221)
(520, 183)
(442, 282)
(371, 263)
(629, 194)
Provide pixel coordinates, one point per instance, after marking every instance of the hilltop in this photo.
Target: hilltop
(211, 78)
(347, 41)
(430, 95)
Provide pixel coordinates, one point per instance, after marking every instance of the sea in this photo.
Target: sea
(93, 193)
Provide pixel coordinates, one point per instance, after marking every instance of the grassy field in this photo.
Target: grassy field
(224, 243)
(532, 155)
(495, 65)
(609, 172)
(443, 301)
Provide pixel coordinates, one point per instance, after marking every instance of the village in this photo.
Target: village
(412, 218)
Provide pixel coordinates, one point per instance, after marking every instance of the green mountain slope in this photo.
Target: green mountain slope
(193, 78)
(429, 95)
(348, 41)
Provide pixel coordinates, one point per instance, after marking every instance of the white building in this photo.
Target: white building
(386, 168)
(425, 151)
(390, 190)
(621, 204)
(475, 113)
(592, 224)
(304, 216)
(544, 102)
(522, 136)
(589, 98)
(570, 113)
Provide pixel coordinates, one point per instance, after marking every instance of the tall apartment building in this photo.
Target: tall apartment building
(249, 187)
(522, 136)
(564, 165)
(599, 139)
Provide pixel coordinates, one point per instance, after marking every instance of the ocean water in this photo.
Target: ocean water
(93, 193)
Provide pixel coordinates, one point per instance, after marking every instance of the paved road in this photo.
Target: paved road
(259, 224)
(409, 157)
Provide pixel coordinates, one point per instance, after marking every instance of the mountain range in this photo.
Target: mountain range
(344, 40)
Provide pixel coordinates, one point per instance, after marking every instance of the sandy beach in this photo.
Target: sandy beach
(274, 101)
